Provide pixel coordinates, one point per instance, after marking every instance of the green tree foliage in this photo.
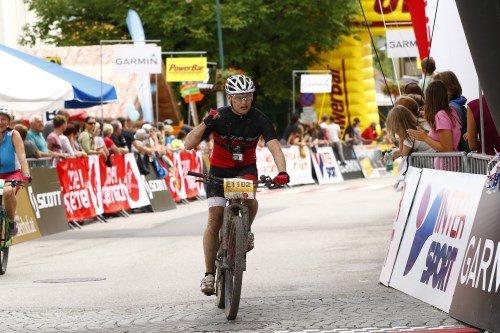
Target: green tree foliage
(266, 38)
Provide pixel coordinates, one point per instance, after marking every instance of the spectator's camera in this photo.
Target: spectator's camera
(237, 153)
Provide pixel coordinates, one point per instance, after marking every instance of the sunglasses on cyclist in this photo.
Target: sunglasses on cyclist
(242, 97)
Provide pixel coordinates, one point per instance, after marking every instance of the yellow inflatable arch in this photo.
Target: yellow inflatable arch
(353, 86)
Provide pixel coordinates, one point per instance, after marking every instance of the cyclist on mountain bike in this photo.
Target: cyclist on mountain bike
(236, 130)
(12, 161)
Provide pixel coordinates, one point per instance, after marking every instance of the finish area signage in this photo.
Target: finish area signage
(138, 59)
(186, 69)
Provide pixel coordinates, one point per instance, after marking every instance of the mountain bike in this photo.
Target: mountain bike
(230, 262)
(5, 238)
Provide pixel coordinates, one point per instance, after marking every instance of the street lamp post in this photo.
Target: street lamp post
(219, 34)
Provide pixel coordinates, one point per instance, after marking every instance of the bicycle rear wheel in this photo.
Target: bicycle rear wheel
(4, 249)
(233, 276)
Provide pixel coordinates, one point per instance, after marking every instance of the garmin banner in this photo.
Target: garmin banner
(138, 59)
(477, 295)
(436, 235)
(46, 199)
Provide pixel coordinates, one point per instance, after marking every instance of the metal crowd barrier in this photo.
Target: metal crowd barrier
(480, 163)
(44, 162)
(453, 161)
(449, 161)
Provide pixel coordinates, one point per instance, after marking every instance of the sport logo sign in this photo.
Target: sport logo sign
(444, 224)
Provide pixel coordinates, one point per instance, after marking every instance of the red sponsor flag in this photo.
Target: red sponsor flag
(114, 188)
(188, 162)
(75, 185)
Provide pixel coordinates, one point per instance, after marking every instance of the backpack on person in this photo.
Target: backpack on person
(462, 114)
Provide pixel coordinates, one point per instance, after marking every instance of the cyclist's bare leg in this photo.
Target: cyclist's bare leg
(211, 236)
(10, 202)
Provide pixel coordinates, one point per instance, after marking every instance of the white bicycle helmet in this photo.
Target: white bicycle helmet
(5, 111)
(239, 84)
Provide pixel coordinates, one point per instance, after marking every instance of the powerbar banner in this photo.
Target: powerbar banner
(186, 69)
(435, 239)
(325, 165)
(298, 164)
(477, 295)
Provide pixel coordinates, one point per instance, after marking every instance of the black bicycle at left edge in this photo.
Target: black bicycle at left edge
(5, 237)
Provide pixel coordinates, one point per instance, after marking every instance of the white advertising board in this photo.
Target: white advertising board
(316, 83)
(138, 59)
(436, 235)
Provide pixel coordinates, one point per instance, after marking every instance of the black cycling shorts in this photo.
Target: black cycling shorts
(246, 172)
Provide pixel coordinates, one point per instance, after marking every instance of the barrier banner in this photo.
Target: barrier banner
(158, 192)
(436, 235)
(411, 181)
(115, 195)
(74, 178)
(187, 161)
(352, 168)
(371, 160)
(136, 190)
(325, 165)
(477, 298)
(174, 185)
(26, 220)
(46, 200)
(95, 182)
(197, 166)
(298, 165)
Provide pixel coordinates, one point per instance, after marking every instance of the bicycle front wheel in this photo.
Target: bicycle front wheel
(235, 257)
(4, 248)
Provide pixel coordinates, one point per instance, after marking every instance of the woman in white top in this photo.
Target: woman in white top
(399, 120)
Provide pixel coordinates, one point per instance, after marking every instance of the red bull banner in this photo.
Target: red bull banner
(76, 189)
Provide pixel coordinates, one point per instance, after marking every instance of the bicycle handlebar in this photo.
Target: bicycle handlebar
(266, 180)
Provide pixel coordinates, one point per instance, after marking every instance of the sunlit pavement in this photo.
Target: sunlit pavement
(319, 251)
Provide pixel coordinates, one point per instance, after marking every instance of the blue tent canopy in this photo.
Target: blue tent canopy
(86, 90)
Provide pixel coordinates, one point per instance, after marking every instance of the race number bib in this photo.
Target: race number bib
(237, 188)
(2, 182)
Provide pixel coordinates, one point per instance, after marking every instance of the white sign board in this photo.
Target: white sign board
(316, 83)
(401, 43)
(410, 187)
(325, 165)
(138, 59)
(436, 235)
(308, 115)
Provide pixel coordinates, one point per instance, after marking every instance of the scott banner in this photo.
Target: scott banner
(325, 165)
(26, 220)
(477, 295)
(436, 235)
(47, 202)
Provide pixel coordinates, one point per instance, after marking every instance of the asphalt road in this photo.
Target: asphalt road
(317, 257)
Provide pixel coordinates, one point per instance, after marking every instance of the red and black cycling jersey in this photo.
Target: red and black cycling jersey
(232, 130)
